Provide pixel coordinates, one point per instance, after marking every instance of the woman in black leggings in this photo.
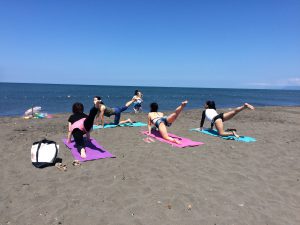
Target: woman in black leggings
(80, 124)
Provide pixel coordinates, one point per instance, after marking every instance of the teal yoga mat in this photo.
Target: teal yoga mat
(216, 134)
(110, 125)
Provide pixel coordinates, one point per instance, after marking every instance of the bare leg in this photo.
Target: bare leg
(220, 127)
(164, 133)
(229, 115)
(171, 118)
(126, 121)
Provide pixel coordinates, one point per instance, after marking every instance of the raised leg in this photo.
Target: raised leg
(89, 121)
(229, 115)
(171, 118)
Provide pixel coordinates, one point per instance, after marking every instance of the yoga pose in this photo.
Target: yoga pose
(217, 119)
(161, 122)
(80, 124)
(107, 111)
(137, 104)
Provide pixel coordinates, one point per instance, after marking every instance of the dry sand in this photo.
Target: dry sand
(221, 182)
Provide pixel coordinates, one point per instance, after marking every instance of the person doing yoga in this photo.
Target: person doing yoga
(161, 122)
(80, 124)
(217, 119)
(107, 111)
(137, 105)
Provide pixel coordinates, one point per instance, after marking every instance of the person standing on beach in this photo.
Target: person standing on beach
(217, 119)
(80, 124)
(137, 104)
(107, 111)
(161, 122)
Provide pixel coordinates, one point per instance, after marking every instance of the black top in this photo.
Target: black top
(202, 118)
(75, 117)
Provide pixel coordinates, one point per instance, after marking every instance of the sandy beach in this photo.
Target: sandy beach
(220, 182)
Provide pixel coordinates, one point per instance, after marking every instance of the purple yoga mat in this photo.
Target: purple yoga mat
(93, 151)
(185, 142)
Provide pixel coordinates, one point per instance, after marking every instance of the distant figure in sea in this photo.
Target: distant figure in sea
(161, 122)
(108, 112)
(137, 104)
(217, 119)
(81, 124)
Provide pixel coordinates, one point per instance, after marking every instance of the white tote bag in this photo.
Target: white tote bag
(44, 153)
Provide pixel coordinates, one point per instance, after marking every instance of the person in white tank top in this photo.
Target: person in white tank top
(210, 114)
(217, 119)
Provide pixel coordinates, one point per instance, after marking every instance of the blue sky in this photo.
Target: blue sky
(229, 43)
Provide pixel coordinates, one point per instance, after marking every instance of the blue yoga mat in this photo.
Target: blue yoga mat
(216, 134)
(111, 125)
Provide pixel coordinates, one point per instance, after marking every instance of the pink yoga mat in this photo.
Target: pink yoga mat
(93, 151)
(185, 142)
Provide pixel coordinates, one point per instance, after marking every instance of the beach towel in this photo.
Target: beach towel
(216, 134)
(185, 142)
(111, 125)
(93, 151)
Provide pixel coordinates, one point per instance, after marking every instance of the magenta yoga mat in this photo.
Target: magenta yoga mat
(185, 142)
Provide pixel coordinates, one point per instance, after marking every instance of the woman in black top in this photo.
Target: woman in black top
(116, 111)
(80, 124)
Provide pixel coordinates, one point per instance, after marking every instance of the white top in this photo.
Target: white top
(210, 114)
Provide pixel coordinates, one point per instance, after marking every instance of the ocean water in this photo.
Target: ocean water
(15, 98)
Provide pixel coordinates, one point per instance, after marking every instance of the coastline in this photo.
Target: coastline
(220, 182)
(60, 98)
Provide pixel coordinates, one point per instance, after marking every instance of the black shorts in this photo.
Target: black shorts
(219, 116)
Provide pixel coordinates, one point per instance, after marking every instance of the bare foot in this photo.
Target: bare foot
(184, 103)
(150, 139)
(82, 153)
(176, 141)
(235, 134)
(146, 140)
(249, 106)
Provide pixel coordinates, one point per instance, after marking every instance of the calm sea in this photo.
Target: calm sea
(55, 98)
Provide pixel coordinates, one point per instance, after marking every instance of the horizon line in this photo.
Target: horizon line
(296, 88)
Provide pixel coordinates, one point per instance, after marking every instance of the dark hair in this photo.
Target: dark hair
(99, 98)
(136, 92)
(77, 107)
(211, 104)
(153, 107)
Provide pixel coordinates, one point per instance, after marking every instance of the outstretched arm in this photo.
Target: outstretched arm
(202, 120)
(102, 115)
(149, 125)
(69, 133)
(97, 118)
